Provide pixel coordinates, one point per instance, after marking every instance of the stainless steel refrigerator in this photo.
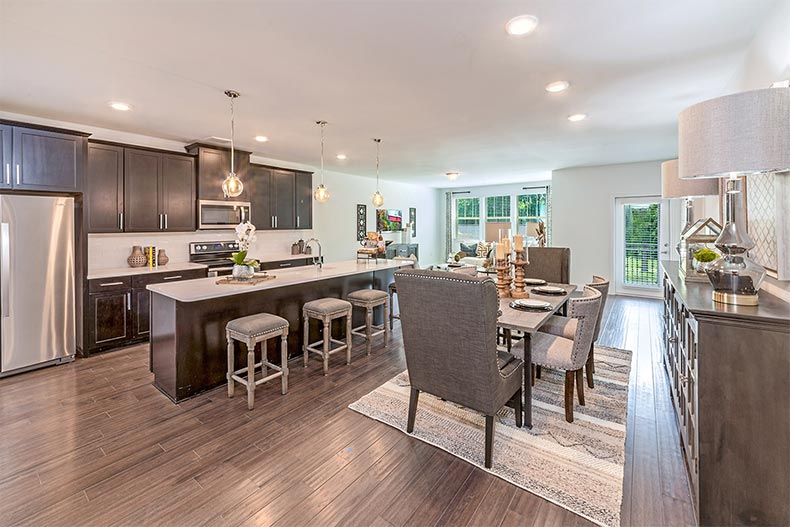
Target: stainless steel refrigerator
(36, 282)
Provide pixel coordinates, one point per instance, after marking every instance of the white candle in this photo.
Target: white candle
(518, 240)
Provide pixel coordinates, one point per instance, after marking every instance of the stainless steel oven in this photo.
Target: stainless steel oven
(215, 255)
(222, 214)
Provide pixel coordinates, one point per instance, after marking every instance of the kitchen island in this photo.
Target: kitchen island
(188, 346)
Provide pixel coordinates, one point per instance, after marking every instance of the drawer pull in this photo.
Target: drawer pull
(108, 284)
(286, 264)
(176, 277)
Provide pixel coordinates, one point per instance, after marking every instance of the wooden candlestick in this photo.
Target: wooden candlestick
(503, 278)
(520, 284)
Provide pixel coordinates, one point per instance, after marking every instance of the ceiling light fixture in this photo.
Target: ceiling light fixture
(341, 156)
(557, 86)
(521, 25)
(452, 176)
(120, 106)
(232, 187)
(321, 194)
(575, 118)
(261, 138)
(378, 199)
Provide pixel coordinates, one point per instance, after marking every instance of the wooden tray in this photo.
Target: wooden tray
(255, 280)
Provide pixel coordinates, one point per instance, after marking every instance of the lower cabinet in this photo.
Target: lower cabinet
(119, 308)
(284, 264)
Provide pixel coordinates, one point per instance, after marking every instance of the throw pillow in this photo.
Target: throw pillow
(482, 249)
(469, 249)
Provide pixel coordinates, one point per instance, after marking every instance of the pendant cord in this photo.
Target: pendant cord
(323, 124)
(378, 142)
(232, 130)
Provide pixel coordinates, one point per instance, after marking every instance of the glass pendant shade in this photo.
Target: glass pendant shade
(321, 194)
(232, 187)
(378, 199)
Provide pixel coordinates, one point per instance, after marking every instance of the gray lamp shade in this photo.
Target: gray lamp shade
(737, 134)
(674, 187)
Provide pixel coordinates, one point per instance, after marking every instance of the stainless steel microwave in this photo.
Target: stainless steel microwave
(222, 214)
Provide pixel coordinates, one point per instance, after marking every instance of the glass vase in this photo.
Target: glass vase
(242, 273)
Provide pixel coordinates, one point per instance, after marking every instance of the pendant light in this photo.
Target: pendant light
(378, 199)
(321, 194)
(232, 187)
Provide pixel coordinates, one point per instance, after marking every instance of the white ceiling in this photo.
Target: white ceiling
(439, 81)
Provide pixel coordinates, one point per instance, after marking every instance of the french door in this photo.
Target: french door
(641, 241)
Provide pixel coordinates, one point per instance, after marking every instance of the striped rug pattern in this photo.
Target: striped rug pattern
(578, 466)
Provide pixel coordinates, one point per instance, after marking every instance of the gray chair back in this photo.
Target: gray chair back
(584, 308)
(602, 285)
(552, 264)
(448, 322)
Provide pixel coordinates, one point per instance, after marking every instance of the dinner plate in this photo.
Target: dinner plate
(534, 281)
(531, 303)
(550, 290)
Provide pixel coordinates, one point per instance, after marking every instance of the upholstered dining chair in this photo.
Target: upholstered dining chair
(562, 326)
(569, 354)
(552, 264)
(450, 345)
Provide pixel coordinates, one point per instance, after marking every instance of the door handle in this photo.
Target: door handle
(109, 284)
(276, 222)
(176, 277)
(286, 264)
(272, 222)
(5, 269)
(120, 221)
(18, 177)
(297, 222)
(8, 173)
(129, 301)
(165, 221)
(160, 222)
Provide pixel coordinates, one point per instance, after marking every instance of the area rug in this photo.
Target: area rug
(578, 466)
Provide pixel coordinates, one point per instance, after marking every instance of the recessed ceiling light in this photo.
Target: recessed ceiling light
(452, 176)
(120, 106)
(521, 25)
(557, 86)
(341, 156)
(261, 138)
(577, 117)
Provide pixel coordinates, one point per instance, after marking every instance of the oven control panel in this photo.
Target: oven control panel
(212, 247)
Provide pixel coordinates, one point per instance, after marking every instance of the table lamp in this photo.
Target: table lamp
(727, 137)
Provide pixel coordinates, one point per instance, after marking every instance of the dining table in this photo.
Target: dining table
(529, 322)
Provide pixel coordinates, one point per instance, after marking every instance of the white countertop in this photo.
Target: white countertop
(130, 271)
(207, 288)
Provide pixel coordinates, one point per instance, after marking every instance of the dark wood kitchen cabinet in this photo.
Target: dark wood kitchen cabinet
(142, 169)
(280, 199)
(177, 192)
(304, 200)
(283, 198)
(213, 166)
(104, 188)
(260, 183)
(41, 158)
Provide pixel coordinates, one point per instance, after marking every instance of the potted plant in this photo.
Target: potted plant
(702, 257)
(243, 267)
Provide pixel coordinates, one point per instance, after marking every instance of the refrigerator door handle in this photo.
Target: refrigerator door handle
(8, 173)
(5, 269)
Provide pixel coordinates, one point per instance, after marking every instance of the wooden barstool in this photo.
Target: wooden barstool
(370, 299)
(251, 330)
(326, 310)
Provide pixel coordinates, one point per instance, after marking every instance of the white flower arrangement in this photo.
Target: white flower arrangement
(245, 235)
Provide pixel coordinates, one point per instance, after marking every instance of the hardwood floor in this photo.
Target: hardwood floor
(94, 443)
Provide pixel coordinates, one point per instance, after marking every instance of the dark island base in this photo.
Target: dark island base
(188, 346)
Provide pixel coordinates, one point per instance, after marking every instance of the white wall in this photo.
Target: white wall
(333, 222)
(583, 211)
(767, 58)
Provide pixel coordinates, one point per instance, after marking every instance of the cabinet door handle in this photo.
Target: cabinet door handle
(8, 173)
(176, 277)
(272, 222)
(18, 177)
(120, 220)
(275, 222)
(297, 222)
(160, 222)
(165, 221)
(286, 264)
(129, 301)
(109, 284)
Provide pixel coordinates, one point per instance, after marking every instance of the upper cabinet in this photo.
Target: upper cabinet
(139, 190)
(280, 199)
(41, 159)
(214, 166)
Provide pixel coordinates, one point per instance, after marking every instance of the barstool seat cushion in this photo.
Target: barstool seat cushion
(368, 296)
(257, 325)
(327, 306)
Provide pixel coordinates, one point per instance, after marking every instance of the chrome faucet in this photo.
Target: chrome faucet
(320, 261)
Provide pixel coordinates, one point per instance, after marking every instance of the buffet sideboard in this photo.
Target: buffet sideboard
(729, 376)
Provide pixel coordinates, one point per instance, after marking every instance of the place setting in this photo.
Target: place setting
(530, 304)
(549, 290)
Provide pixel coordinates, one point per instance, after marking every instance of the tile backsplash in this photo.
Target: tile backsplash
(109, 251)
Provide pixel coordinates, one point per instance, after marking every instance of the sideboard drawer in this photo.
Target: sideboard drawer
(105, 285)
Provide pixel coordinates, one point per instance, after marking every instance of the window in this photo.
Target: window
(530, 210)
(467, 218)
(497, 216)
(640, 226)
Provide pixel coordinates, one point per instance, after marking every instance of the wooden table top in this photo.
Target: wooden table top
(531, 321)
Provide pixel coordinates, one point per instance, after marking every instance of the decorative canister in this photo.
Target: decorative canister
(163, 258)
(242, 273)
(137, 258)
(295, 248)
(300, 243)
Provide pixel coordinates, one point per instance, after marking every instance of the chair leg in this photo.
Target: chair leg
(231, 367)
(305, 337)
(392, 309)
(368, 328)
(519, 409)
(284, 361)
(348, 338)
(533, 369)
(537, 371)
(327, 334)
(590, 366)
(489, 439)
(580, 385)
(569, 376)
(250, 376)
(264, 358)
(413, 398)
(386, 329)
